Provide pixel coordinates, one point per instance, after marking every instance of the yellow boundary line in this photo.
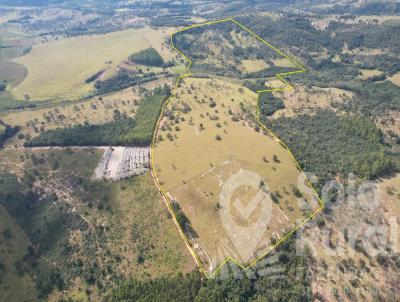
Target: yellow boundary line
(288, 86)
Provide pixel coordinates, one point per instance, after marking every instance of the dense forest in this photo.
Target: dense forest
(269, 104)
(281, 277)
(327, 144)
(373, 99)
(124, 131)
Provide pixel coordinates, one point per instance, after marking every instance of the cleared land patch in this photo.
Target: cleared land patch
(366, 74)
(305, 99)
(235, 189)
(207, 135)
(254, 65)
(395, 79)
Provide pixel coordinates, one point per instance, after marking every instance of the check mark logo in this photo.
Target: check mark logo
(246, 211)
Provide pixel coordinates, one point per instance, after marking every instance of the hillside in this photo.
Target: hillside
(183, 150)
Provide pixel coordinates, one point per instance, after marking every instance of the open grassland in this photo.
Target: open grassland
(96, 110)
(86, 234)
(283, 62)
(208, 134)
(254, 65)
(13, 44)
(366, 74)
(11, 73)
(303, 99)
(58, 69)
(395, 79)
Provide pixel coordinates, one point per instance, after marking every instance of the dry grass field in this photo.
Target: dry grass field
(306, 100)
(366, 74)
(254, 65)
(207, 138)
(283, 62)
(395, 79)
(58, 69)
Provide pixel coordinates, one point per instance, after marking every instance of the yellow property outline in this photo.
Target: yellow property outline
(288, 86)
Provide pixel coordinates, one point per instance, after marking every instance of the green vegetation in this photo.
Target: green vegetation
(85, 135)
(255, 85)
(368, 36)
(8, 103)
(6, 131)
(373, 99)
(178, 288)
(124, 131)
(269, 104)
(44, 220)
(222, 49)
(97, 231)
(288, 284)
(94, 76)
(327, 144)
(122, 80)
(148, 57)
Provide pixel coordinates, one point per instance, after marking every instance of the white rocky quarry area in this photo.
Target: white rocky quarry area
(121, 162)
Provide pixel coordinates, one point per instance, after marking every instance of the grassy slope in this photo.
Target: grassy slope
(195, 161)
(127, 220)
(12, 286)
(11, 73)
(66, 70)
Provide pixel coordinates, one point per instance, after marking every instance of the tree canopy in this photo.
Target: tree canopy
(148, 57)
